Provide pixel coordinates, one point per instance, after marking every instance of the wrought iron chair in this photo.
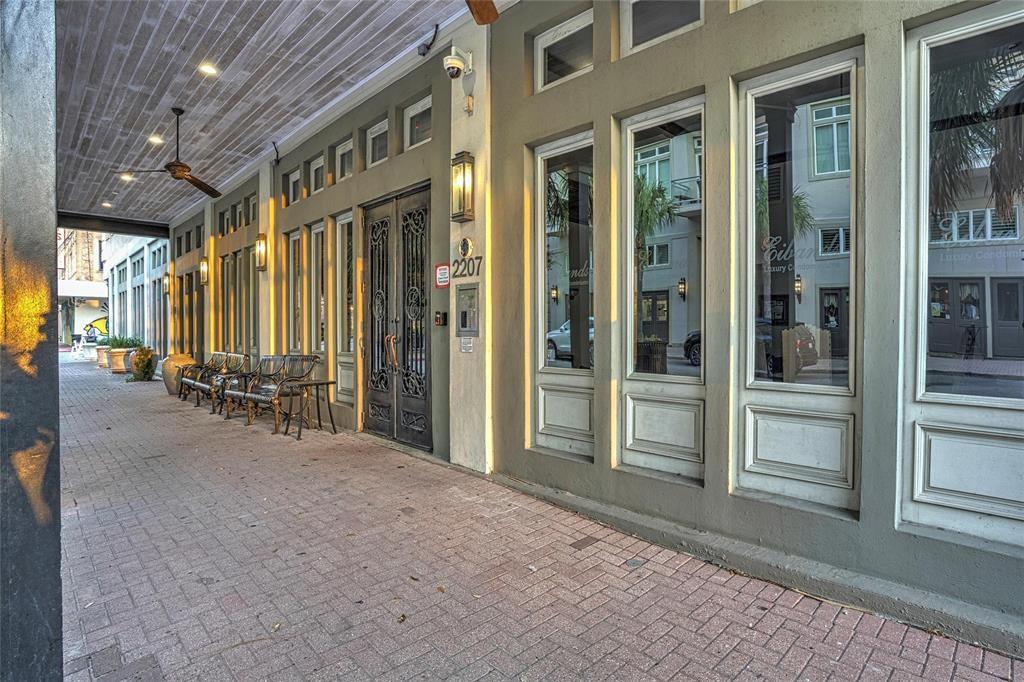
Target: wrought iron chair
(188, 374)
(271, 389)
(267, 371)
(214, 383)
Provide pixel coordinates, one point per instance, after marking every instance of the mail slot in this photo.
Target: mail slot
(467, 310)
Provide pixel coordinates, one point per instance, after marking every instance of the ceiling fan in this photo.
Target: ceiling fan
(177, 169)
(484, 12)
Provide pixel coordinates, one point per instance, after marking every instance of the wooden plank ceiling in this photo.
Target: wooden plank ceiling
(121, 66)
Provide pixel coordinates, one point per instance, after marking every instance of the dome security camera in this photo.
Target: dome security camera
(458, 63)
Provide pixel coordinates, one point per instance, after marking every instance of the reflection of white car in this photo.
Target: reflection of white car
(559, 344)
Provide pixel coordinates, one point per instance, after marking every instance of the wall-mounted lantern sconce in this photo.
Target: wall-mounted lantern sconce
(462, 187)
(204, 270)
(681, 288)
(167, 283)
(554, 292)
(798, 288)
(261, 251)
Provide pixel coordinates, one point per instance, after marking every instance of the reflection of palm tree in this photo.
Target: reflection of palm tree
(958, 139)
(803, 219)
(653, 209)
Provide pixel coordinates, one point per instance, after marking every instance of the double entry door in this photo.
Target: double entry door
(397, 348)
(1008, 322)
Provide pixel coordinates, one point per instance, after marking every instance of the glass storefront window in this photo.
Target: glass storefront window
(801, 327)
(318, 297)
(568, 254)
(975, 274)
(295, 292)
(350, 310)
(667, 229)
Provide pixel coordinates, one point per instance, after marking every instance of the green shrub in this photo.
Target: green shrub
(143, 364)
(124, 342)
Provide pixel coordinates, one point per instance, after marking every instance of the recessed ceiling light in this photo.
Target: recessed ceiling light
(155, 139)
(208, 69)
(107, 204)
(127, 177)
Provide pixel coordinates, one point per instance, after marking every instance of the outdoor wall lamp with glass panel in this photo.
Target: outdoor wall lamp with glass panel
(167, 282)
(798, 288)
(261, 251)
(204, 270)
(681, 288)
(462, 187)
(554, 292)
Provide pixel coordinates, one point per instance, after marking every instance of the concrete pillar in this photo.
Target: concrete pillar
(267, 328)
(470, 375)
(30, 586)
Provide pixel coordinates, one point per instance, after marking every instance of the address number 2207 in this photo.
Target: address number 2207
(467, 267)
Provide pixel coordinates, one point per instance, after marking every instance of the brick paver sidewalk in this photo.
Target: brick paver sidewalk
(198, 548)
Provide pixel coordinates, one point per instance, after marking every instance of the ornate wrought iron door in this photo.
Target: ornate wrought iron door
(397, 347)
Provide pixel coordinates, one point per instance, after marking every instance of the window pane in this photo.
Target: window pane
(379, 148)
(802, 326)
(654, 18)
(345, 163)
(419, 127)
(349, 290)
(666, 231)
(975, 340)
(568, 250)
(824, 152)
(569, 55)
(843, 145)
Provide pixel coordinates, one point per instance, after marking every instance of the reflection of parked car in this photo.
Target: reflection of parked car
(767, 362)
(559, 344)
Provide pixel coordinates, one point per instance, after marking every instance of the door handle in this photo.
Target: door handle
(387, 350)
(394, 350)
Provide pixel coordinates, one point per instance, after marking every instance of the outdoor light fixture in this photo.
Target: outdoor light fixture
(204, 270)
(798, 288)
(681, 288)
(462, 187)
(261, 251)
(554, 292)
(167, 282)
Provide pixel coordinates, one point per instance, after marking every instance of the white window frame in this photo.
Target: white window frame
(412, 110)
(254, 209)
(652, 249)
(833, 123)
(553, 35)
(291, 178)
(294, 243)
(845, 241)
(848, 62)
(919, 45)
(988, 237)
(314, 273)
(314, 165)
(653, 160)
(339, 151)
(372, 132)
(626, 29)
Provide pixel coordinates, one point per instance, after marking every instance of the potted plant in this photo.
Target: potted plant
(143, 364)
(103, 352)
(119, 349)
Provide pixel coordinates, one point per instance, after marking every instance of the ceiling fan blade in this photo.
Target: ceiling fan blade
(484, 12)
(137, 170)
(196, 182)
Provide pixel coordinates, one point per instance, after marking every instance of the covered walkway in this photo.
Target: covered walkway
(195, 548)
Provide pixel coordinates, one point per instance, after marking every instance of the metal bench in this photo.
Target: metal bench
(278, 378)
(188, 374)
(267, 370)
(208, 383)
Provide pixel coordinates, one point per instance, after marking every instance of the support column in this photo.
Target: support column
(470, 375)
(30, 584)
(268, 307)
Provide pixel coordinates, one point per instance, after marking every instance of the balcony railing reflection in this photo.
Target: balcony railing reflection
(687, 191)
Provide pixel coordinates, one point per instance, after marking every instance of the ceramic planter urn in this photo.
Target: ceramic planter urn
(103, 356)
(119, 360)
(169, 370)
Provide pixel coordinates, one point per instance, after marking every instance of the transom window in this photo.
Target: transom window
(377, 144)
(831, 135)
(343, 160)
(645, 22)
(316, 175)
(833, 241)
(418, 123)
(293, 187)
(564, 51)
